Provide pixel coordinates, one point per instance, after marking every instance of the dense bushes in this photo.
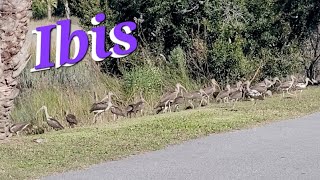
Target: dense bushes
(39, 9)
(235, 33)
(236, 36)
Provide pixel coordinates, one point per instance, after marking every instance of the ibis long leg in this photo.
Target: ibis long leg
(234, 104)
(289, 93)
(201, 102)
(189, 101)
(95, 118)
(165, 106)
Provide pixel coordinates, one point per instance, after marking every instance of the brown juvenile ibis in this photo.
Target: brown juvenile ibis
(224, 95)
(236, 96)
(196, 95)
(55, 124)
(212, 90)
(265, 85)
(168, 98)
(71, 119)
(116, 111)
(273, 82)
(269, 93)
(19, 127)
(253, 93)
(286, 86)
(102, 106)
(177, 102)
(236, 87)
(136, 107)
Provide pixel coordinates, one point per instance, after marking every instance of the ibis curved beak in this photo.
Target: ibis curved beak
(310, 81)
(183, 88)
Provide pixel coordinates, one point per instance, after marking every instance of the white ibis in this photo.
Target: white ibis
(55, 124)
(302, 86)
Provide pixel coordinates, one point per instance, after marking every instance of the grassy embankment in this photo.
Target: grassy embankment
(77, 148)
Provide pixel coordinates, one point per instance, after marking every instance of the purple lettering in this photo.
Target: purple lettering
(81, 43)
(43, 47)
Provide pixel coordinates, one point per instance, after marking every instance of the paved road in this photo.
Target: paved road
(282, 150)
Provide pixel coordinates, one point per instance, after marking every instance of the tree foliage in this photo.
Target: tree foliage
(221, 39)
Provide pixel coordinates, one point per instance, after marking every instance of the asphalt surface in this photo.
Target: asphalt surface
(282, 150)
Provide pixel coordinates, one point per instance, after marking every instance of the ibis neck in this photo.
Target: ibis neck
(46, 112)
(109, 97)
(306, 83)
(248, 86)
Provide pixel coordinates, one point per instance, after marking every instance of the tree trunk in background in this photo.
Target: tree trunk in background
(49, 13)
(67, 9)
(14, 50)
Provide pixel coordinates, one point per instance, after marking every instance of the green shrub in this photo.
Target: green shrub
(39, 9)
(145, 78)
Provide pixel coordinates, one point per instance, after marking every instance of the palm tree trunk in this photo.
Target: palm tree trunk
(14, 43)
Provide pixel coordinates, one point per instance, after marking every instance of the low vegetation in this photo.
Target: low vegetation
(77, 148)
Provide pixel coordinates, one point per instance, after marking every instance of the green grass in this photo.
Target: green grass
(77, 148)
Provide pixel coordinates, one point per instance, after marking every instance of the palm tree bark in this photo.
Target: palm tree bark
(14, 49)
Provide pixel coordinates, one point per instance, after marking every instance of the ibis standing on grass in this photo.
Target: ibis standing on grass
(116, 111)
(287, 85)
(236, 96)
(195, 95)
(168, 98)
(136, 107)
(302, 86)
(71, 119)
(212, 90)
(102, 106)
(224, 95)
(253, 93)
(236, 87)
(18, 127)
(55, 124)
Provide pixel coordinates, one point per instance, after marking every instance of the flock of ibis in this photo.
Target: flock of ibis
(173, 100)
